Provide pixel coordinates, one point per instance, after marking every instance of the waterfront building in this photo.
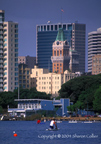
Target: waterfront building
(96, 64)
(34, 105)
(94, 46)
(8, 54)
(46, 35)
(28, 60)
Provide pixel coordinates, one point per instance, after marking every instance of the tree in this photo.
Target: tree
(81, 89)
(97, 100)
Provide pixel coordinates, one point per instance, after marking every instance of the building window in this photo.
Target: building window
(16, 59)
(51, 27)
(54, 53)
(16, 40)
(36, 73)
(16, 35)
(16, 78)
(5, 44)
(16, 31)
(16, 50)
(16, 64)
(16, 26)
(60, 53)
(16, 69)
(57, 53)
(48, 27)
(16, 83)
(27, 72)
(16, 45)
(16, 74)
(16, 55)
(5, 73)
(5, 88)
(55, 27)
(44, 28)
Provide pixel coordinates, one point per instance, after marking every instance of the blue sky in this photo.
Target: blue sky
(29, 13)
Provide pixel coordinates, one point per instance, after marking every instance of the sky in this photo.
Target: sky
(29, 13)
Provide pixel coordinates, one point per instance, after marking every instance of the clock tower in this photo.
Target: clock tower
(60, 53)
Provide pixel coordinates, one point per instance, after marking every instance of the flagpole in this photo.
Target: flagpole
(61, 14)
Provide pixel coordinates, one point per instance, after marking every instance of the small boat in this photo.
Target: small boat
(72, 121)
(58, 121)
(49, 129)
(87, 121)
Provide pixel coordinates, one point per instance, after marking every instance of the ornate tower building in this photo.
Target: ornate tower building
(60, 53)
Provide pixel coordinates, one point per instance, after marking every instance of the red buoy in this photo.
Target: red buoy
(15, 135)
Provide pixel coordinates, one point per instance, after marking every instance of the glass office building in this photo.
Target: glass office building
(46, 35)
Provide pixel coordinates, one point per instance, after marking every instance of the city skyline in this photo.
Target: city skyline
(30, 13)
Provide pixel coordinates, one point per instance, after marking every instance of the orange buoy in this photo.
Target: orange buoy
(15, 135)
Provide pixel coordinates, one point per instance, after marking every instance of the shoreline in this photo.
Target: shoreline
(73, 118)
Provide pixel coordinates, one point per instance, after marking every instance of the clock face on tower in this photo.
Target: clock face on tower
(57, 42)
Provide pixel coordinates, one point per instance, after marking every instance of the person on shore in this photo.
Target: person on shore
(52, 124)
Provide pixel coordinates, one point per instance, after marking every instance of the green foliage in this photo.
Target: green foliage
(7, 98)
(1, 109)
(81, 90)
(97, 100)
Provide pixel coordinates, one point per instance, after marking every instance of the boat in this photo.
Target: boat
(87, 121)
(49, 129)
(58, 121)
(72, 121)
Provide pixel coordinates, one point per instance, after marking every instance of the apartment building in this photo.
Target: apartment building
(8, 54)
(50, 82)
(94, 46)
(96, 64)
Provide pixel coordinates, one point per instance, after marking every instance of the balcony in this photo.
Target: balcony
(1, 37)
(1, 46)
(1, 75)
(1, 80)
(1, 27)
(1, 51)
(1, 85)
(1, 66)
(59, 58)
(1, 32)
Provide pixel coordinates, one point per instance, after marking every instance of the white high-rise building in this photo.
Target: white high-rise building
(8, 54)
(94, 46)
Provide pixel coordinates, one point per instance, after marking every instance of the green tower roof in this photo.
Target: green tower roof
(60, 35)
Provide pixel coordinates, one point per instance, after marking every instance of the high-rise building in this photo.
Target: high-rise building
(8, 54)
(94, 46)
(74, 60)
(28, 60)
(24, 76)
(46, 35)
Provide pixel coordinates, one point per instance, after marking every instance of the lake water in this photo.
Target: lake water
(28, 132)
